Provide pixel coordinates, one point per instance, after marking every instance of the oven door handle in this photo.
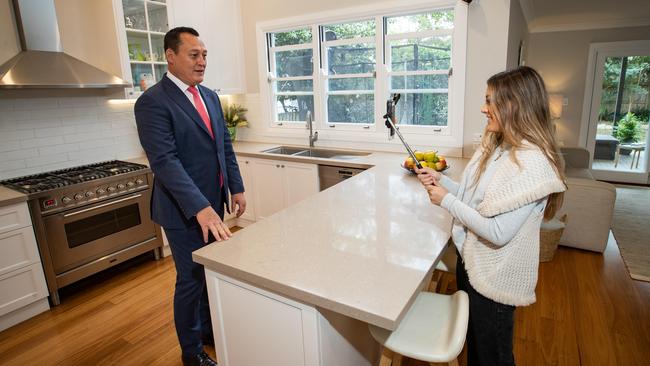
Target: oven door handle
(102, 205)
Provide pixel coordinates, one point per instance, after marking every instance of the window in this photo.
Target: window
(343, 68)
(291, 64)
(418, 50)
(350, 64)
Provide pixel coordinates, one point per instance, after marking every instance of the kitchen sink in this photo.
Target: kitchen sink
(284, 150)
(331, 154)
(316, 152)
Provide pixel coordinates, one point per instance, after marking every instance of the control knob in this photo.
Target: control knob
(121, 186)
(130, 183)
(111, 189)
(90, 194)
(139, 181)
(66, 200)
(101, 191)
(78, 196)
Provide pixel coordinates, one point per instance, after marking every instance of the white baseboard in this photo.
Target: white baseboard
(24, 313)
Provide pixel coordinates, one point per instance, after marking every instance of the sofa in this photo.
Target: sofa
(588, 203)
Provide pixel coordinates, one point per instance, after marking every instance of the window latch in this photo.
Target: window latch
(332, 126)
(451, 72)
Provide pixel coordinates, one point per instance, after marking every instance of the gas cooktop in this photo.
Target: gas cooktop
(65, 177)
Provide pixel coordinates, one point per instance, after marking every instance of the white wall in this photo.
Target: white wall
(42, 134)
(561, 58)
(487, 49)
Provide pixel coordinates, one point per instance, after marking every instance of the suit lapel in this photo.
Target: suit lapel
(181, 100)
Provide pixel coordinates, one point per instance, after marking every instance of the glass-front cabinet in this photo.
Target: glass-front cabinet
(145, 23)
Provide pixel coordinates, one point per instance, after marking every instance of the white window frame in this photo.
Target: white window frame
(326, 77)
(450, 136)
(273, 79)
(442, 130)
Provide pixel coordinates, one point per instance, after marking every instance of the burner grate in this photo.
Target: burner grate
(65, 177)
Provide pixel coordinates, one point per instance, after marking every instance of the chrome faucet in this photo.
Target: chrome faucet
(313, 136)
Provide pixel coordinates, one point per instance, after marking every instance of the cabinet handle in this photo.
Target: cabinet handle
(281, 166)
(246, 161)
(277, 165)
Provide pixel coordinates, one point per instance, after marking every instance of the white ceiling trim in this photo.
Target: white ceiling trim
(604, 24)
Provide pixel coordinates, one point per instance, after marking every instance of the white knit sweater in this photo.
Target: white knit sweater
(508, 273)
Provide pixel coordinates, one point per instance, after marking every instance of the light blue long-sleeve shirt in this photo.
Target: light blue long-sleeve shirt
(464, 197)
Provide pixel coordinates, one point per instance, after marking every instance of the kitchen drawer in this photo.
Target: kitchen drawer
(14, 217)
(21, 287)
(17, 249)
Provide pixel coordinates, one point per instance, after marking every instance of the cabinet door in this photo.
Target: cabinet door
(225, 71)
(300, 181)
(268, 187)
(18, 248)
(245, 167)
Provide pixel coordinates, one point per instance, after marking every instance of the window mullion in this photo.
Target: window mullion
(382, 82)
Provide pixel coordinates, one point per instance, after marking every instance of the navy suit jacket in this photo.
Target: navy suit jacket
(185, 160)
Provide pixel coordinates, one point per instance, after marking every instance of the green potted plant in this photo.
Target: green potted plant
(235, 116)
(628, 130)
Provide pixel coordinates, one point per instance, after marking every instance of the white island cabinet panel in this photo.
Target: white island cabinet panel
(268, 187)
(301, 181)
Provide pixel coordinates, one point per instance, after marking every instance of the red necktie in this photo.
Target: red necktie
(204, 116)
(200, 108)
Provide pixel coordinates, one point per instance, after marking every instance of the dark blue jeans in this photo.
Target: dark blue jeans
(490, 330)
(191, 309)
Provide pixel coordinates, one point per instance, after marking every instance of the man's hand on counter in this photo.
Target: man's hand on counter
(238, 200)
(211, 222)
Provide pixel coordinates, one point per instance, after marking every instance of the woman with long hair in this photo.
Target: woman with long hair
(513, 182)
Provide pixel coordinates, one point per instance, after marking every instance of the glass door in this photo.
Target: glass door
(620, 114)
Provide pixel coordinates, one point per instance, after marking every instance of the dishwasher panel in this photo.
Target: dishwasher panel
(330, 175)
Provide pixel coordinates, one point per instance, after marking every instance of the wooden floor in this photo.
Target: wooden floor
(589, 312)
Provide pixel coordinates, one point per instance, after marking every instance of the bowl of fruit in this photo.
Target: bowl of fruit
(429, 159)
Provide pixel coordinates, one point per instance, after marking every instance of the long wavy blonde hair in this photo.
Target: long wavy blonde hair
(519, 103)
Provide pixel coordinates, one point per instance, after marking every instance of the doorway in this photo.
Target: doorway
(618, 102)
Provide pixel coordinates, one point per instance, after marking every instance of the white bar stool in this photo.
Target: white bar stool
(433, 330)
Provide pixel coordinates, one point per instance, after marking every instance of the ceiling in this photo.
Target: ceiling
(564, 15)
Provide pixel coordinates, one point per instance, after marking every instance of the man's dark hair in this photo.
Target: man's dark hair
(173, 37)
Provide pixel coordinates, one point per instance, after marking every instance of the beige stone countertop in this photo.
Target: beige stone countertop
(361, 248)
(9, 196)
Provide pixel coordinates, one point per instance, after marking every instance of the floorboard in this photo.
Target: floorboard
(588, 312)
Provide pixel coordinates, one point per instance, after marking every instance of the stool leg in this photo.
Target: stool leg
(632, 154)
(386, 357)
(435, 278)
(617, 156)
(397, 359)
(444, 284)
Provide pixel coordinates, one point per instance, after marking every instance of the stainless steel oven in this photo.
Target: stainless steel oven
(89, 218)
(81, 235)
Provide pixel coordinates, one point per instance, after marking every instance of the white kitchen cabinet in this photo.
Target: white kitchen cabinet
(284, 331)
(279, 184)
(219, 25)
(23, 291)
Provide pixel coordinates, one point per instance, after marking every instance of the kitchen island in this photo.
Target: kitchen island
(300, 287)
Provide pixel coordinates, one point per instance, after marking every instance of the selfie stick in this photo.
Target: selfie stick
(390, 116)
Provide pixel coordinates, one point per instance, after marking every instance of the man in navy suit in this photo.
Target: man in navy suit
(182, 130)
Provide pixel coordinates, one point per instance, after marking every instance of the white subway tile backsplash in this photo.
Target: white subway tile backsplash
(89, 144)
(46, 160)
(11, 165)
(43, 134)
(43, 141)
(29, 104)
(9, 145)
(77, 101)
(18, 154)
(57, 149)
(55, 131)
(11, 116)
(8, 135)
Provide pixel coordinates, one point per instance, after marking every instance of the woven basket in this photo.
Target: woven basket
(548, 241)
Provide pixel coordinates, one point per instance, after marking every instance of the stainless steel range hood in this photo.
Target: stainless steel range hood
(42, 62)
